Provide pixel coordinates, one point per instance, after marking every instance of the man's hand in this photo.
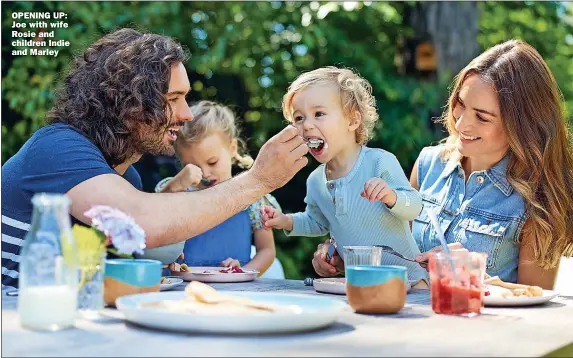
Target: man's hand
(273, 218)
(190, 175)
(280, 158)
(376, 189)
(326, 268)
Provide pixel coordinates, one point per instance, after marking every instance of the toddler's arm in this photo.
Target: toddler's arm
(408, 201)
(311, 222)
(189, 176)
(265, 245)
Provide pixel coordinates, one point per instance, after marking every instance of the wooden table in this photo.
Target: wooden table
(415, 331)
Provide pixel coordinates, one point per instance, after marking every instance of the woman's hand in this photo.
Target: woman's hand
(323, 267)
(425, 256)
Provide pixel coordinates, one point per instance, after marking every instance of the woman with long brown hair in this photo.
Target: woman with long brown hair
(502, 183)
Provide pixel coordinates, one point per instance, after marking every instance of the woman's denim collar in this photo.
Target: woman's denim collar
(497, 174)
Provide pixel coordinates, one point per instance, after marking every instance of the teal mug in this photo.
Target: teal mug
(128, 276)
(376, 289)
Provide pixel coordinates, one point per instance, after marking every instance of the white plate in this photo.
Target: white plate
(310, 312)
(495, 298)
(198, 274)
(336, 285)
(174, 282)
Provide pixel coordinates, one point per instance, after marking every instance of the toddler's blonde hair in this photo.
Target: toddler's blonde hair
(210, 117)
(355, 94)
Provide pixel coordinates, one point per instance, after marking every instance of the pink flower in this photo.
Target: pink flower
(125, 235)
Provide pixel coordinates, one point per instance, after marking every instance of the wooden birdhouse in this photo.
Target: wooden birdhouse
(426, 59)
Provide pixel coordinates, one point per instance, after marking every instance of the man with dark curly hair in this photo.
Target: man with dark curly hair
(123, 97)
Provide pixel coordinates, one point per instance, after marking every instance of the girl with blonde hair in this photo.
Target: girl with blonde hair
(207, 147)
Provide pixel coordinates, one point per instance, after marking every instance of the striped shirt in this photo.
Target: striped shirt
(40, 166)
(13, 232)
(336, 207)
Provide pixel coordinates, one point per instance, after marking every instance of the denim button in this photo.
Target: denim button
(448, 212)
(452, 213)
(479, 179)
(331, 185)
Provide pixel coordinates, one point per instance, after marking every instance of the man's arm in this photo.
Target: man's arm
(173, 217)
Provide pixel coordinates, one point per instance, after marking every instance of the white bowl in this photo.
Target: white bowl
(166, 254)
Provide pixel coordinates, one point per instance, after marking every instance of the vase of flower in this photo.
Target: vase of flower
(90, 289)
(111, 231)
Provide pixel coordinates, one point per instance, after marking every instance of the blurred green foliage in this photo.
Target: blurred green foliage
(547, 26)
(245, 54)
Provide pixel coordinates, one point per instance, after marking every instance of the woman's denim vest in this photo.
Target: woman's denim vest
(485, 213)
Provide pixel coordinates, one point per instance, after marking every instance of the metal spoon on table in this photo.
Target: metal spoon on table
(385, 248)
(390, 250)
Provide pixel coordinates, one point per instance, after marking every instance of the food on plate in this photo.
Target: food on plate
(514, 289)
(165, 280)
(181, 267)
(211, 270)
(226, 270)
(202, 298)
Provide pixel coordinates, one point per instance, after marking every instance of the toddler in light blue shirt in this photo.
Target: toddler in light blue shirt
(359, 195)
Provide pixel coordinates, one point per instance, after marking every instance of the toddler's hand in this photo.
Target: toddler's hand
(174, 266)
(191, 175)
(273, 218)
(231, 262)
(376, 189)
(324, 267)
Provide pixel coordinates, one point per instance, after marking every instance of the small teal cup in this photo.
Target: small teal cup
(376, 289)
(128, 276)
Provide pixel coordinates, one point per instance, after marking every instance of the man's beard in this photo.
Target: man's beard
(154, 142)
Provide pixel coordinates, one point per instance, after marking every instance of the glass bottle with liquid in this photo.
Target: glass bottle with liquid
(48, 280)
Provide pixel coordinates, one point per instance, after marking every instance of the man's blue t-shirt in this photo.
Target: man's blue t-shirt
(54, 160)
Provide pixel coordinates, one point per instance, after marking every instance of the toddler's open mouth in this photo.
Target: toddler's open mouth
(316, 145)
